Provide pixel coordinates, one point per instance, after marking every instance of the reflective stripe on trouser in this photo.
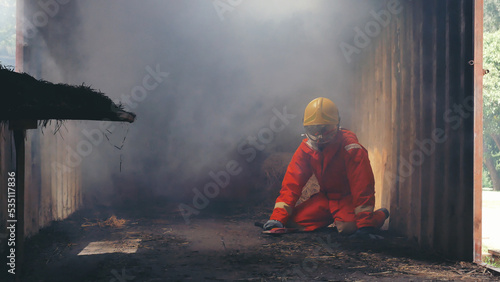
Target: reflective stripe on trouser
(319, 211)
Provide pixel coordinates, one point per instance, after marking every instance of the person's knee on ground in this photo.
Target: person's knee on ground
(346, 227)
(380, 216)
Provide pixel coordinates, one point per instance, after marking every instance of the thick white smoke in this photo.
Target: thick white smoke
(205, 75)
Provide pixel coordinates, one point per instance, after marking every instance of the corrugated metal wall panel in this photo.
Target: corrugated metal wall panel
(45, 212)
(7, 164)
(50, 193)
(430, 184)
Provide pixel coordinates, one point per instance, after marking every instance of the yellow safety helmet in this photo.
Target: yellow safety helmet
(321, 111)
(321, 120)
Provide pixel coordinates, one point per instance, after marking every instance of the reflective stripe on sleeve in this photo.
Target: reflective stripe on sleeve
(347, 227)
(284, 206)
(363, 208)
(352, 146)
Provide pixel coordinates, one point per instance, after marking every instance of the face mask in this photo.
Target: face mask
(322, 133)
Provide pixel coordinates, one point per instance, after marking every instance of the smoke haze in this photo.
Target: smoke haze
(228, 68)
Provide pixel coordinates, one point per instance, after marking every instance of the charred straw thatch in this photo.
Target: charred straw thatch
(23, 97)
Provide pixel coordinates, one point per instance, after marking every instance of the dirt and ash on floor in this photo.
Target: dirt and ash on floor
(224, 245)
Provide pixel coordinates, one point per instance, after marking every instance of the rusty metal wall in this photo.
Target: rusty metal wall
(413, 93)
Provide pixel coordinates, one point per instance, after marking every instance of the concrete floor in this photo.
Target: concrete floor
(491, 220)
(151, 243)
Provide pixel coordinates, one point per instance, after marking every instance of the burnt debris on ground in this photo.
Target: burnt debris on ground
(224, 246)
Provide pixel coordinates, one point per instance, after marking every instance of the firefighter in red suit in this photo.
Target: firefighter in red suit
(345, 177)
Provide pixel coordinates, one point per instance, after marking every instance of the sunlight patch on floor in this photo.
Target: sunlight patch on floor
(129, 246)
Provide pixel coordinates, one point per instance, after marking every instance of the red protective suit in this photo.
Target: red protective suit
(345, 177)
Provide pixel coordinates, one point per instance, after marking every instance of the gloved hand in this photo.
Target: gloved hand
(366, 233)
(270, 224)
